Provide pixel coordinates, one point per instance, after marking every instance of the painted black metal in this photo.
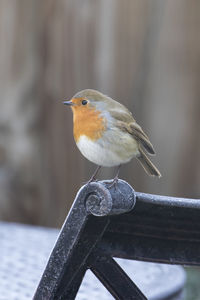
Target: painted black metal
(119, 222)
(114, 278)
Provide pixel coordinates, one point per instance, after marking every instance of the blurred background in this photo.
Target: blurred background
(145, 54)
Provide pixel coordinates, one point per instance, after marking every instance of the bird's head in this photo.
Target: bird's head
(88, 99)
(89, 112)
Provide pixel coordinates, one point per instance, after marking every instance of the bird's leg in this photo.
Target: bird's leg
(93, 178)
(116, 178)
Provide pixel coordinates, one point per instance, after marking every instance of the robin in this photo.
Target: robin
(107, 134)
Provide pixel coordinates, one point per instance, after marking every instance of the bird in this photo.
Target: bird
(106, 133)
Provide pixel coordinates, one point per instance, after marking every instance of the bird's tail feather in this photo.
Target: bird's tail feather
(147, 164)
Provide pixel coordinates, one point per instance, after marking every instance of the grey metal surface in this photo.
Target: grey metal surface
(168, 201)
(102, 201)
(24, 252)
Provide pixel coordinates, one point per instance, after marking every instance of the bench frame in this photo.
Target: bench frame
(118, 222)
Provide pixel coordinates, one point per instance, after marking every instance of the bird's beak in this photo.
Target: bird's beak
(70, 103)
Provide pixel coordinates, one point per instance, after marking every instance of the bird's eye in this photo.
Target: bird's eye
(84, 102)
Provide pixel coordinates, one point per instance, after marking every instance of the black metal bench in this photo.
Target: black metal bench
(119, 222)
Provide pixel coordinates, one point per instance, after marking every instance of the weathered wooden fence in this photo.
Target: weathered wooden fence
(143, 53)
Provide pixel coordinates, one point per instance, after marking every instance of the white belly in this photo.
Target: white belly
(102, 155)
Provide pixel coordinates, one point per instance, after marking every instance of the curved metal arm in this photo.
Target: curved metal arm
(100, 200)
(103, 201)
(168, 201)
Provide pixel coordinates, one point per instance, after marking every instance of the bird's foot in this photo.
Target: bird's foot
(113, 183)
(92, 179)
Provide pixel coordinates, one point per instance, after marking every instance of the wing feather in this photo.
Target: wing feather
(142, 138)
(126, 122)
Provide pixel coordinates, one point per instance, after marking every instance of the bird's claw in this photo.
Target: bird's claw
(113, 183)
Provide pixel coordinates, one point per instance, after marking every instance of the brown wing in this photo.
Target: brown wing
(126, 122)
(141, 137)
(122, 114)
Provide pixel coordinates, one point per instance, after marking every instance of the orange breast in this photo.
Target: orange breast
(88, 122)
